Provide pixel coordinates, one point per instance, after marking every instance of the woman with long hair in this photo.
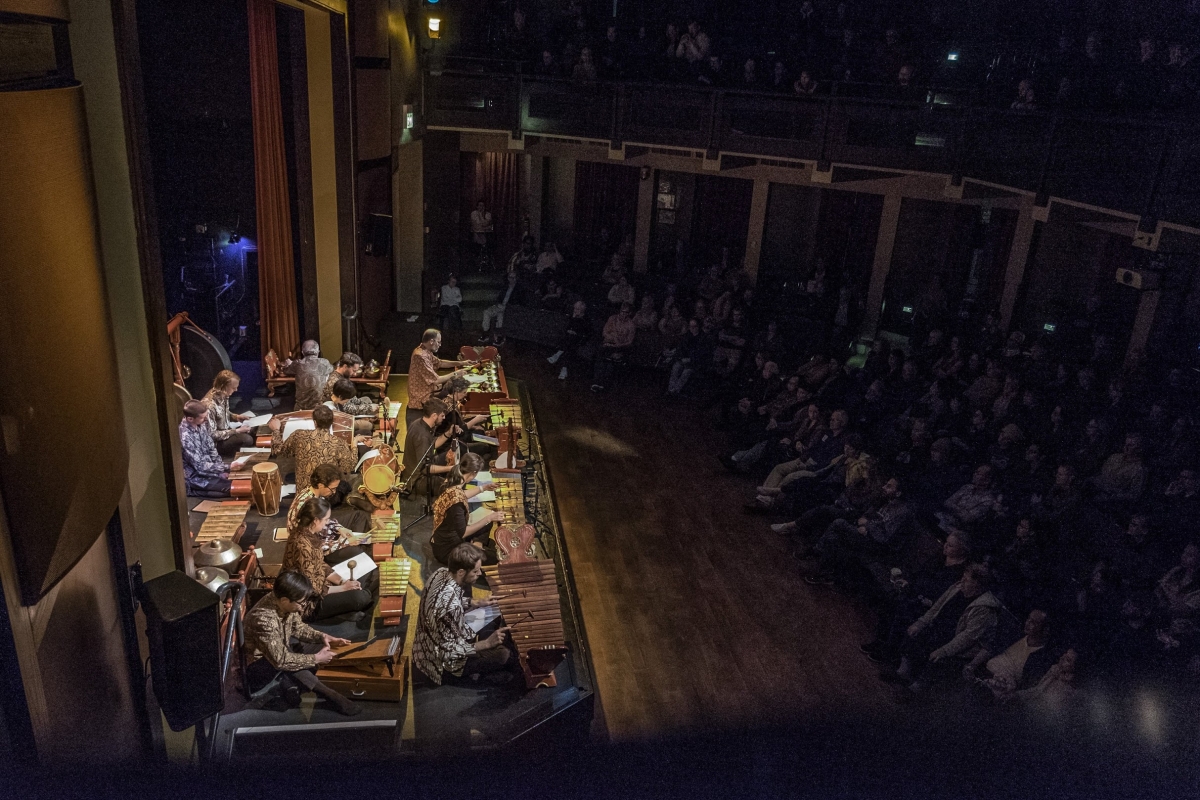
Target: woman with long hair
(451, 516)
(228, 431)
(332, 594)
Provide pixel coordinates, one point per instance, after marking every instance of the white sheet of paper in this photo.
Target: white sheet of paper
(252, 450)
(366, 455)
(288, 490)
(478, 618)
(503, 461)
(261, 419)
(293, 425)
(483, 497)
(478, 514)
(206, 506)
(362, 566)
(394, 408)
(238, 463)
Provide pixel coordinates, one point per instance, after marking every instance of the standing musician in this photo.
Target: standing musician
(278, 643)
(229, 437)
(423, 379)
(451, 526)
(348, 366)
(311, 372)
(204, 473)
(311, 448)
(445, 648)
(332, 595)
(421, 434)
(325, 481)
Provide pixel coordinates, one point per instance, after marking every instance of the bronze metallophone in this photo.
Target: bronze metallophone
(225, 521)
(510, 499)
(527, 595)
(503, 412)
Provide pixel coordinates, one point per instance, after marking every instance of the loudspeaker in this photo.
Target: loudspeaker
(377, 237)
(183, 626)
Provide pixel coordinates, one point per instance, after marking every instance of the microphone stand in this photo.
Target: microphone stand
(425, 462)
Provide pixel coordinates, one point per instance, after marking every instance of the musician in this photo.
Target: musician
(229, 437)
(279, 643)
(311, 372)
(451, 526)
(326, 481)
(313, 447)
(204, 473)
(423, 433)
(445, 648)
(345, 399)
(456, 393)
(332, 595)
(348, 366)
(423, 379)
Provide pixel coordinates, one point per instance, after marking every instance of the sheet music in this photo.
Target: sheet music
(482, 478)
(504, 461)
(479, 437)
(478, 514)
(252, 450)
(293, 425)
(288, 490)
(362, 566)
(478, 618)
(475, 379)
(261, 419)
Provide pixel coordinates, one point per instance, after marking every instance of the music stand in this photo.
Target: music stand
(424, 463)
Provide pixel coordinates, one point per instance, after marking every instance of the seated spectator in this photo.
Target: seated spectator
(450, 310)
(826, 446)
(552, 297)
(614, 271)
(804, 85)
(585, 68)
(612, 54)
(525, 259)
(694, 46)
(549, 259)
(695, 352)
(778, 81)
(1055, 689)
(622, 293)
(958, 624)
(970, 504)
(1021, 665)
(713, 73)
(1122, 479)
(547, 66)
(646, 318)
(672, 327)
(749, 79)
(1177, 596)
(1026, 100)
(845, 549)
(576, 337)
(619, 332)
(731, 343)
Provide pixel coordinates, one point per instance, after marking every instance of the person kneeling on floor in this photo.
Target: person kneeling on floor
(279, 645)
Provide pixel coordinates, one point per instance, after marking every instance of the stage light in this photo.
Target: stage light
(235, 237)
(952, 57)
(435, 28)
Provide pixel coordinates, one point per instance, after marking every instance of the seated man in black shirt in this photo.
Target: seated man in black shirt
(579, 331)
(421, 442)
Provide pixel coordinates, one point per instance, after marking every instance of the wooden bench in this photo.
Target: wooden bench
(275, 377)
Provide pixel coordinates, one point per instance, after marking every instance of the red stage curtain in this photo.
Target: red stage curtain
(606, 196)
(493, 178)
(280, 325)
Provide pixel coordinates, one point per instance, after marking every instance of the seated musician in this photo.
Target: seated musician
(279, 644)
(421, 435)
(423, 380)
(229, 437)
(451, 526)
(311, 448)
(311, 372)
(345, 399)
(348, 366)
(456, 394)
(325, 481)
(332, 594)
(445, 649)
(204, 473)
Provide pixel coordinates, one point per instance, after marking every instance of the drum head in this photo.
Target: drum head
(265, 467)
(378, 479)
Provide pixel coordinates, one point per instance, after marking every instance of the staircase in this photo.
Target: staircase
(478, 291)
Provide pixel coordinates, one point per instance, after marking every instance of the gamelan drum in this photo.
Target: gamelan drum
(266, 486)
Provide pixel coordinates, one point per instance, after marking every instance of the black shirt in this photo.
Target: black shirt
(418, 439)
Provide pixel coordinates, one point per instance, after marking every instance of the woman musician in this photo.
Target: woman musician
(332, 594)
(228, 430)
(451, 526)
(464, 439)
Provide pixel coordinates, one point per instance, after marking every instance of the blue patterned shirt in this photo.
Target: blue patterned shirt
(200, 457)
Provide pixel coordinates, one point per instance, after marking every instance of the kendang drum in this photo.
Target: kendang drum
(266, 487)
(380, 478)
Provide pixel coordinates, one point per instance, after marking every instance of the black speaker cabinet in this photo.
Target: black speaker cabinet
(183, 625)
(377, 239)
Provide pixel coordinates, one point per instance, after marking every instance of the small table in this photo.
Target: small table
(379, 382)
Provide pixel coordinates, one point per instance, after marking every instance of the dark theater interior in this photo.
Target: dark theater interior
(594, 398)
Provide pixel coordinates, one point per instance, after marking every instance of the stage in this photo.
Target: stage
(427, 717)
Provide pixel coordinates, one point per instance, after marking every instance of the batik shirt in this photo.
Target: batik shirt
(333, 529)
(304, 555)
(311, 372)
(268, 634)
(422, 377)
(311, 448)
(219, 422)
(200, 458)
(443, 640)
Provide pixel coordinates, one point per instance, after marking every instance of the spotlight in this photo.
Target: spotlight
(952, 57)
(435, 28)
(235, 237)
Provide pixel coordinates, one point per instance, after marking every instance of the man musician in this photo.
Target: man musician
(311, 372)
(445, 649)
(349, 366)
(423, 380)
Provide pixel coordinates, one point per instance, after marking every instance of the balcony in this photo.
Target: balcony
(1140, 166)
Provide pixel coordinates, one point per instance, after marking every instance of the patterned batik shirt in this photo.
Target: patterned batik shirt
(443, 640)
(311, 372)
(311, 448)
(333, 528)
(303, 554)
(268, 634)
(200, 458)
(422, 377)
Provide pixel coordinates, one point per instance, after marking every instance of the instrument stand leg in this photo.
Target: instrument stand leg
(428, 507)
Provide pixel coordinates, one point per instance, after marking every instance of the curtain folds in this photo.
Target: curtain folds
(606, 196)
(494, 179)
(279, 320)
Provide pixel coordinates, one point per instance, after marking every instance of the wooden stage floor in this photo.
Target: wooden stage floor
(696, 615)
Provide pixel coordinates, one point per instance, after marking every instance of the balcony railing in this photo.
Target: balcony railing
(1146, 167)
